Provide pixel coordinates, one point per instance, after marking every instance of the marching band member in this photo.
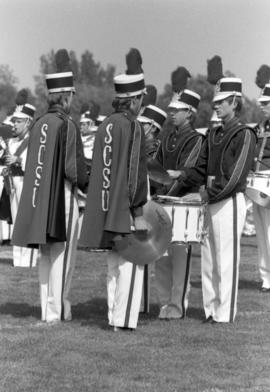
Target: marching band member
(15, 160)
(262, 215)
(180, 148)
(152, 120)
(48, 212)
(117, 191)
(226, 160)
(88, 129)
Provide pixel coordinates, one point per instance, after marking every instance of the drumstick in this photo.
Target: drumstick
(263, 163)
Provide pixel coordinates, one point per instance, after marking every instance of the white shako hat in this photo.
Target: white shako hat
(265, 94)
(129, 85)
(100, 119)
(85, 117)
(62, 80)
(153, 114)
(24, 111)
(227, 87)
(186, 99)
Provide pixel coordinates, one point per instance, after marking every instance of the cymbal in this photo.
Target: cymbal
(157, 173)
(146, 247)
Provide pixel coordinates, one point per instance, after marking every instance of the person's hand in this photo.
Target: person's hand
(204, 195)
(174, 174)
(10, 159)
(140, 224)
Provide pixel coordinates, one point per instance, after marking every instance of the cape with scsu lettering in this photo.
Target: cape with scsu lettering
(51, 158)
(118, 181)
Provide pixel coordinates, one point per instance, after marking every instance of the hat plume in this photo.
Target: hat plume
(179, 79)
(263, 76)
(134, 62)
(214, 70)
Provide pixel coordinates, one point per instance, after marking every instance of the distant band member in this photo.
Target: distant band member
(262, 215)
(48, 211)
(116, 195)
(15, 159)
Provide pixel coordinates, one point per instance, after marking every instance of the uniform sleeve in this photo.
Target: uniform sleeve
(75, 167)
(139, 175)
(196, 175)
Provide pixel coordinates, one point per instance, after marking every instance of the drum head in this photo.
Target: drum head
(260, 198)
(144, 248)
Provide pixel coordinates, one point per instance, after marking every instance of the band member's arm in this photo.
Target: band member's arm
(75, 167)
(241, 151)
(193, 176)
(139, 174)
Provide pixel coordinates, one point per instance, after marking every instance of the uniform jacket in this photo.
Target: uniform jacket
(225, 161)
(118, 181)
(179, 149)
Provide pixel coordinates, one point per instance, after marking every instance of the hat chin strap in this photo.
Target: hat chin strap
(150, 128)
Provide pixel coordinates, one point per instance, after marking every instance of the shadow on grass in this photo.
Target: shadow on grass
(20, 310)
(249, 284)
(94, 312)
(6, 261)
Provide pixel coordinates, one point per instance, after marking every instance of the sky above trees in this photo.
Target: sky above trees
(167, 32)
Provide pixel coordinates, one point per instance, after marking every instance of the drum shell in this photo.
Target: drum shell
(258, 189)
(187, 219)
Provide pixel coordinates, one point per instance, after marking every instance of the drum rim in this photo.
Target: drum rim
(173, 200)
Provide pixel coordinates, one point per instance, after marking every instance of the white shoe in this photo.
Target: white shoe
(163, 312)
(53, 322)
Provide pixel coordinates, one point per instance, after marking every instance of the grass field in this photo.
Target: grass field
(175, 356)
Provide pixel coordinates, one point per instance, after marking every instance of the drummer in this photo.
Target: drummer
(262, 215)
(180, 148)
(226, 160)
(152, 120)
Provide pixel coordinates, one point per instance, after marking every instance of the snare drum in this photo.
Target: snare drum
(187, 217)
(258, 188)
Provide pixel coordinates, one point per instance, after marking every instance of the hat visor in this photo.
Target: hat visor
(131, 94)
(146, 120)
(224, 95)
(181, 105)
(20, 115)
(264, 99)
(143, 119)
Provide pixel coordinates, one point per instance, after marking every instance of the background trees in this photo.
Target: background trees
(95, 82)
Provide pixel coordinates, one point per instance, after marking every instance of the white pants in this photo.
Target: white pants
(5, 230)
(124, 291)
(22, 257)
(172, 274)
(221, 257)
(262, 224)
(56, 265)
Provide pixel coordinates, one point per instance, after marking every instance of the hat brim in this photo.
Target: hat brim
(131, 94)
(224, 95)
(21, 116)
(264, 99)
(146, 120)
(181, 105)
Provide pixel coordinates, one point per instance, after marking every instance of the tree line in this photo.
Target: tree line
(95, 82)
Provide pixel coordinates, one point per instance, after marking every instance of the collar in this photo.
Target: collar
(184, 129)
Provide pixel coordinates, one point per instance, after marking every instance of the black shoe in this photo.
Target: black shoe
(264, 290)
(208, 320)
